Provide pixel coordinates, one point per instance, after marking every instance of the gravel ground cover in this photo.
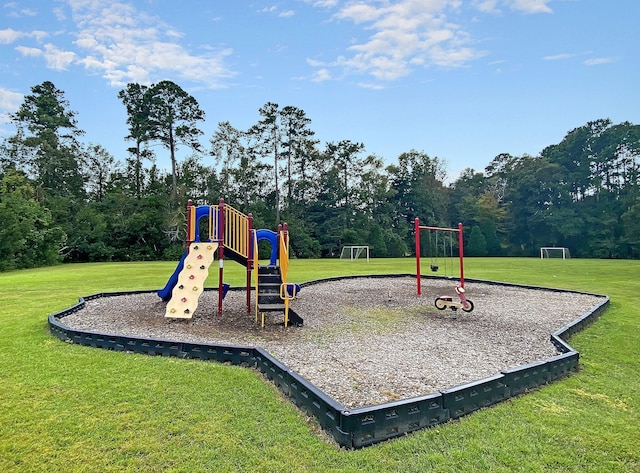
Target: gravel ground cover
(366, 341)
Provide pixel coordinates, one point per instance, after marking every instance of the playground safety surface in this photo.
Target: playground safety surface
(367, 340)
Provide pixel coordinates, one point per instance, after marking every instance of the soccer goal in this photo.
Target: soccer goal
(353, 252)
(554, 252)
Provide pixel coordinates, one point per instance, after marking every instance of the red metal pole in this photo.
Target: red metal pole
(417, 231)
(461, 255)
(221, 232)
(278, 240)
(249, 260)
(187, 239)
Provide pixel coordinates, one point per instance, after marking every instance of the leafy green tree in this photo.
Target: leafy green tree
(477, 245)
(101, 168)
(197, 180)
(241, 173)
(267, 136)
(90, 240)
(418, 184)
(28, 236)
(228, 149)
(297, 145)
(45, 144)
(396, 244)
(139, 229)
(598, 176)
(345, 157)
(173, 119)
(378, 245)
(464, 194)
(135, 98)
(488, 229)
(631, 229)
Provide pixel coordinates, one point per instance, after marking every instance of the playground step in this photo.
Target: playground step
(269, 299)
(268, 288)
(270, 307)
(269, 279)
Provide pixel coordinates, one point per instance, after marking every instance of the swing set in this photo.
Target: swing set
(442, 302)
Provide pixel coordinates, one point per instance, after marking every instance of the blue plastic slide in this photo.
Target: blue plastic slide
(165, 294)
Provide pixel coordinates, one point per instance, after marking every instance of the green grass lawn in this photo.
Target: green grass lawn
(65, 407)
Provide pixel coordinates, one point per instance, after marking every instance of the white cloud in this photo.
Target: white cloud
(366, 85)
(315, 63)
(38, 35)
(360, 12)
(15, 12)
(9, 101)
(403, 35)
(525, 6)
(56, 58)
(531, 6)
(559, 57)
(596, 61)
(10, 35)
(487, 6)
(321, 75)
(287, 14)
(29, 52)
(127, 45)
(322, 3)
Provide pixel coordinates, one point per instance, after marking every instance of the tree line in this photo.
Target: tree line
(63, 200)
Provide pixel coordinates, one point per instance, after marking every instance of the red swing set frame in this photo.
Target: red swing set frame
(417, 229)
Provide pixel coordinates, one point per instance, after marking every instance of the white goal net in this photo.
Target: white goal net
(353, 252)
(554, 252)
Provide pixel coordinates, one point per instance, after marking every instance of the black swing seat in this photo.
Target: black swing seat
(434, 268)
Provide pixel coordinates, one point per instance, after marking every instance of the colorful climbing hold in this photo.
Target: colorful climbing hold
(184, 299)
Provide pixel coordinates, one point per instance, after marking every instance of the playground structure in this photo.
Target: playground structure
(444, 301)
(351, 427)
(230, 234)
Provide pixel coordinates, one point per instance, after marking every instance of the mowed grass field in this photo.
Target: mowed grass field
(67, 408)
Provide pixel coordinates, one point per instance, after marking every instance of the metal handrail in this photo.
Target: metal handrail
(283, 253)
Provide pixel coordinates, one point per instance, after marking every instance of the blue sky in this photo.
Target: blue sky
(460, 80)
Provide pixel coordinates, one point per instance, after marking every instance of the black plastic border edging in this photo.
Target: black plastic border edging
(363, 426)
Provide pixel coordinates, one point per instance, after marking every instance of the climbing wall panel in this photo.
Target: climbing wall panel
(187, 291)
